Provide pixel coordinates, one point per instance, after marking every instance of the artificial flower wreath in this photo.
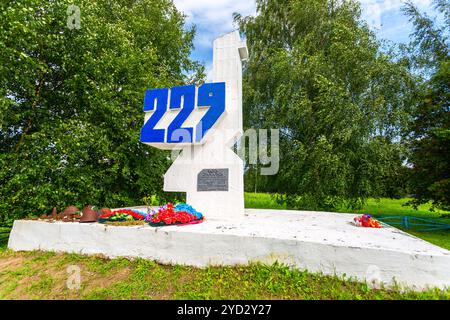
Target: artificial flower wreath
(167, 215)
(122, 215)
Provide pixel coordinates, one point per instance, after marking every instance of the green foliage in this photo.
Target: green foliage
(71, 101)
(319, 74)
(430, 129)
(430, 42)
(431, 143)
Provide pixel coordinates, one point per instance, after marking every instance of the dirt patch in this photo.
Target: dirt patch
(11, 263)
(98, 280)
(49, 278)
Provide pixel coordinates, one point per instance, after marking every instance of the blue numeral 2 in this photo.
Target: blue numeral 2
(152, 97)
(175, 133)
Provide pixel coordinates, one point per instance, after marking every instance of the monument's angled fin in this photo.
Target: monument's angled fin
(213, 163)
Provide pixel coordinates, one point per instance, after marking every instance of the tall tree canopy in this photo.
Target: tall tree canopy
(430, 131)
(71, 93)
(319, 74)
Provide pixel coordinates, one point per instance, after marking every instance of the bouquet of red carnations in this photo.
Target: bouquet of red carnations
(173, 215)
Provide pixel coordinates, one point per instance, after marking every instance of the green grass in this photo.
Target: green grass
(3, 240)
(382, 206)
(38, 275)
(378, 208)
(261, 201)
(396, 207)
(43, 275)
(4, 232)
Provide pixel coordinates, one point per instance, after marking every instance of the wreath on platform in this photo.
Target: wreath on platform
(181, 214)
(122, 215)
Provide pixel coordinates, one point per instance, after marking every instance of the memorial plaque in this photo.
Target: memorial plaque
(212, 180)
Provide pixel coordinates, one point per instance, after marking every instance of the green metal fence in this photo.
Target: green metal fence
(415, 223)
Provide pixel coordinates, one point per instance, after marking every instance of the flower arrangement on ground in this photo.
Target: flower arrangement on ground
(181, 214)
(122, 215)
(367, 221)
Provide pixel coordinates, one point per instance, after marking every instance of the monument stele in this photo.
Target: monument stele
(205, 123)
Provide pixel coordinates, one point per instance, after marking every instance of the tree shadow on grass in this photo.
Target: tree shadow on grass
(3, 244)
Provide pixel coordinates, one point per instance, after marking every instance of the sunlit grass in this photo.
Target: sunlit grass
(40, 275)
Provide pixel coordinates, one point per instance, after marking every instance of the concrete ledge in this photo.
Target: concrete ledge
(316, 241)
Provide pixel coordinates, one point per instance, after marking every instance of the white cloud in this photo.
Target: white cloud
(217, 10)
(209, 71)
(215, 17)
(373, 10)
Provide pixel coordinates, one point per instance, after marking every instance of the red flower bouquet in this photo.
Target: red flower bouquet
(366, 221)
(167, 216)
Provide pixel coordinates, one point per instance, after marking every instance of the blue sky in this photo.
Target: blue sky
(214, 18)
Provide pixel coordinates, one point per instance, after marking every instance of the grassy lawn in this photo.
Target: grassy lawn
(377, 208)
(382, 207)
(261, 201)
(43, 275)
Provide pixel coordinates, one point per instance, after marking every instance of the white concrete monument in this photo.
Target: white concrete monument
(205, 123)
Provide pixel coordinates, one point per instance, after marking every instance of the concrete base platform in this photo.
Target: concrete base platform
(316, 241)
